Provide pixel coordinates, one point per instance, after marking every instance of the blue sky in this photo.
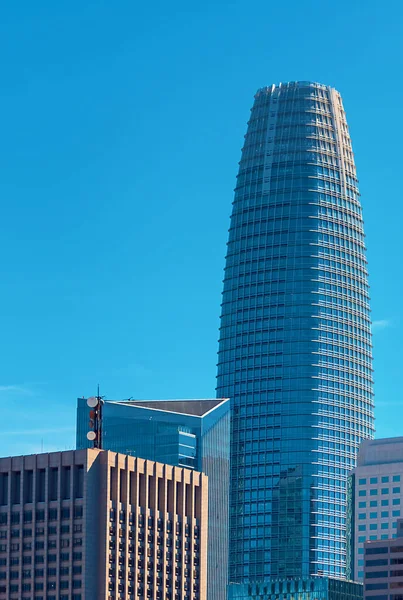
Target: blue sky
(121, 130)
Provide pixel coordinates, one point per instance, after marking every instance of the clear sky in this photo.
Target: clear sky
(121, 129)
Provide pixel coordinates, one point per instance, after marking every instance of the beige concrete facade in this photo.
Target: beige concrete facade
(96, 525)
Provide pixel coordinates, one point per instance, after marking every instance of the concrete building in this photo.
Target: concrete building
(374, 499)
(383, 568)
(96, 525)
(184, 433)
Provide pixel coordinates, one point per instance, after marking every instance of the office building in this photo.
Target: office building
(295, 340)
(383, 570)
(95, 525)
(375, 495)
(184, 433)
(310, 588)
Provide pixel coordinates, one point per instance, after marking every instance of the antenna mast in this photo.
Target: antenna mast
(94, 435)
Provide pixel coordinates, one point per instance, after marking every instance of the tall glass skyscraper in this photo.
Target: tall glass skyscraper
(295, 340)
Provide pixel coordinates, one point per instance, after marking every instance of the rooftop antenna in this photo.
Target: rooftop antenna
(94, 435)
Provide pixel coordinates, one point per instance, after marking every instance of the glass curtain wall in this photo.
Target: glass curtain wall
(295, 341)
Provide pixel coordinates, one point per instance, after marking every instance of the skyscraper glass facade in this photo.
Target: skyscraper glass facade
(295, 341)
(312, 588)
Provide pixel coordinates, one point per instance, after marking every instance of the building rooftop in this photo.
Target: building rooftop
(382, 451)
(198, 408)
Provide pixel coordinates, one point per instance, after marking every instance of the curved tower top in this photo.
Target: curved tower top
(295, 340)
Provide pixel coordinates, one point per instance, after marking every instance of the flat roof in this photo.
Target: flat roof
(380, 451)
(198, 408)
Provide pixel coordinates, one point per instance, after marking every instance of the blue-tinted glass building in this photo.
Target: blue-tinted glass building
(295, 340)
(309, 588)
(185, 433)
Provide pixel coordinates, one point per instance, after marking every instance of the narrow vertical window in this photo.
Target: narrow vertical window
(28, 486)
(142, 490)
(122, 485)
(179, 498)
(113, 484)
(171, 496)
(4, 489)
(197, 505)
(53, 475)
(40, 485)
(79, 481)
(15, 487)
(188, 500)
(161, 495)
(132, 491)
(66, 483)
(151, 492)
